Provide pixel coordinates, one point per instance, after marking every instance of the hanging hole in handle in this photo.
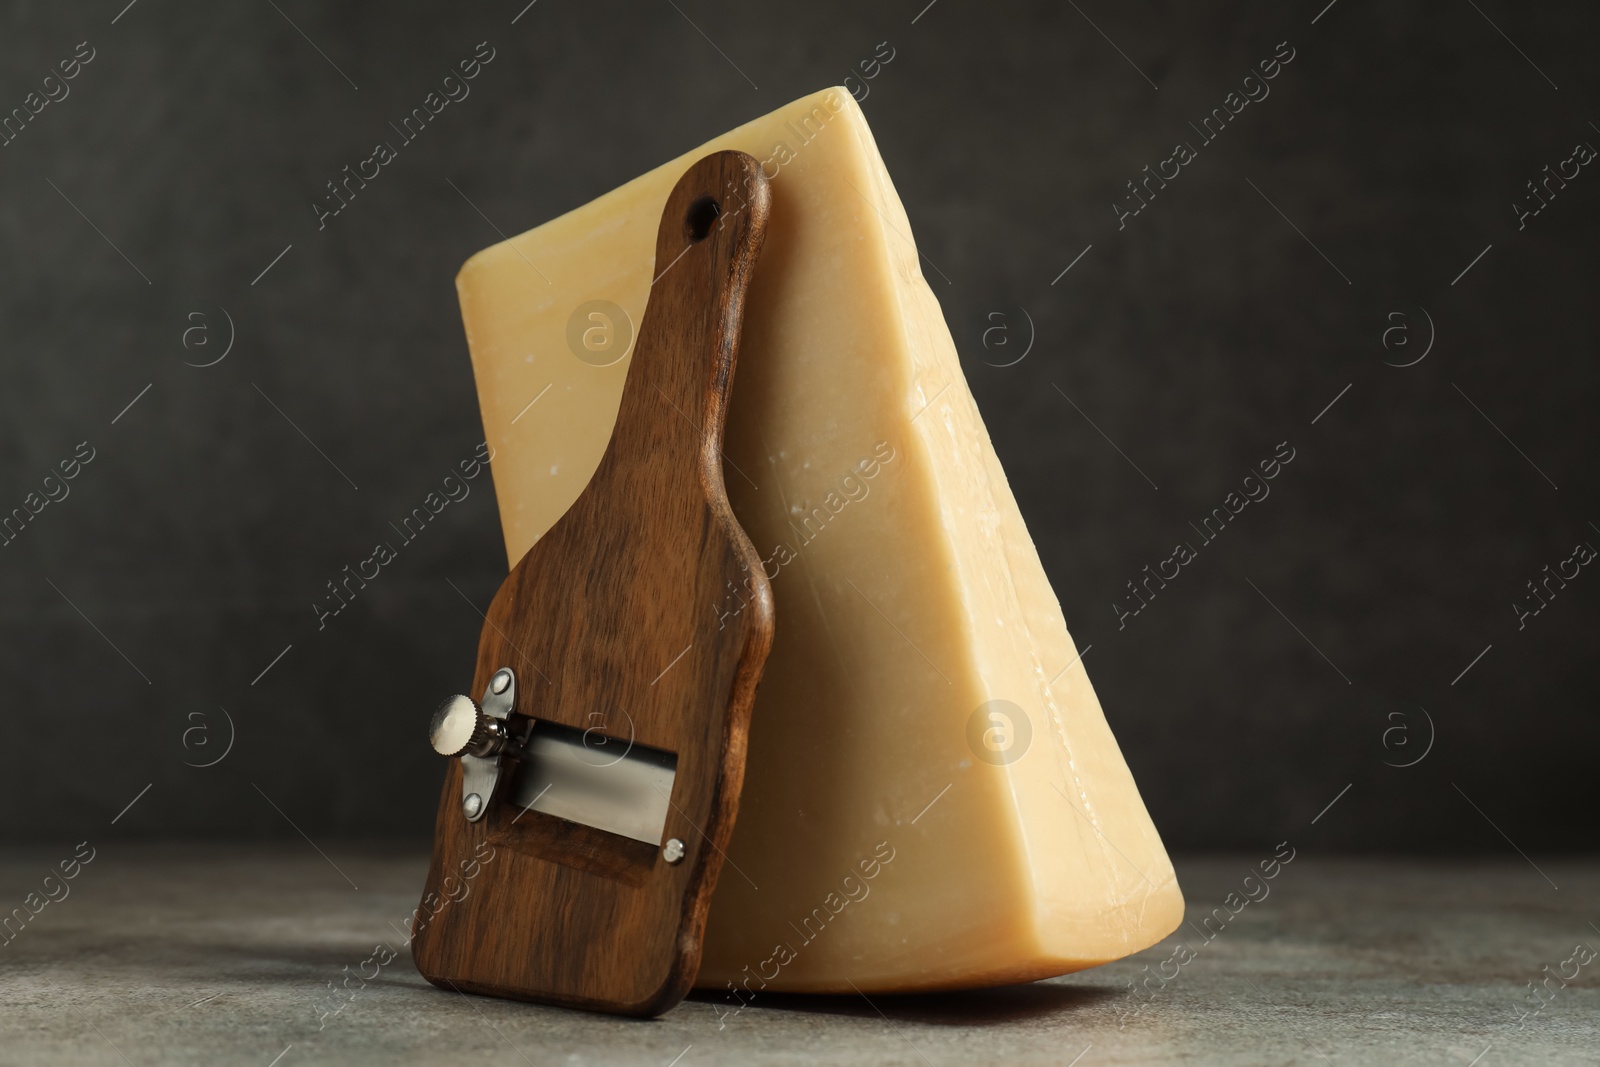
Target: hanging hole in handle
(702, 215)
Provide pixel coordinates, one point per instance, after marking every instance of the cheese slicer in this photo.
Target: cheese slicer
(592, 787)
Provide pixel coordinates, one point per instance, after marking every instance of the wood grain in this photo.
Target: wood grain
(637, 574)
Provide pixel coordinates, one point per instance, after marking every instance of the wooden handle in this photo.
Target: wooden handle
(711, 233)
(619, 617)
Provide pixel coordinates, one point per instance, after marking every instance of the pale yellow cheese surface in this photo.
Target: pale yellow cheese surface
(874, 848)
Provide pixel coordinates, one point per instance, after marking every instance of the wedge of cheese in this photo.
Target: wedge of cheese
(933, 799)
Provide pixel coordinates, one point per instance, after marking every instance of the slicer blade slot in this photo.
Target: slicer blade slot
(604, 782)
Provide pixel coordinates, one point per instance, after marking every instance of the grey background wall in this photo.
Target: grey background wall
(1359, 614)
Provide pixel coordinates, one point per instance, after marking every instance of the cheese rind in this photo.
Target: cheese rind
(893, 834)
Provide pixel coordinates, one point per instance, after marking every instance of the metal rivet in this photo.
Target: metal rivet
(472, 805)
(501, 681)
(672, 851)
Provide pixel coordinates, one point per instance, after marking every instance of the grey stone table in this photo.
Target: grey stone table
(224, 955)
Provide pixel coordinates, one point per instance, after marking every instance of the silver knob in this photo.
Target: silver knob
(461, 728)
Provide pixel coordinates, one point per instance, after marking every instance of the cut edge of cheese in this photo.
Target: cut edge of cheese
(1008, 569)
(876, 849)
